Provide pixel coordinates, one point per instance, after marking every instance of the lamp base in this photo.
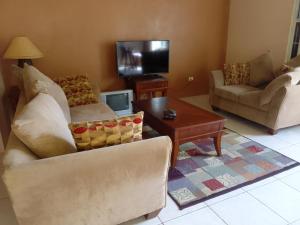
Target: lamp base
(21, 62)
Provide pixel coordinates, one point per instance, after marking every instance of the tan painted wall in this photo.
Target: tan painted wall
(78, 36)
(256, 26)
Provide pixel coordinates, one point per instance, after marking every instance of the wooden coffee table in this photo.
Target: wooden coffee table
(191, 123)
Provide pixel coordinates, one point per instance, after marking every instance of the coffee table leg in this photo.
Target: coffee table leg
(217, 142)
(175, 151)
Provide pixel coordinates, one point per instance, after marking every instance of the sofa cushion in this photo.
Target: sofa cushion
(232, 92)
(43, 128)
(91, 112)
(36, 82)
(261, 70)
(252, 99)
(238, 73)
(96, 134)
(78, 89)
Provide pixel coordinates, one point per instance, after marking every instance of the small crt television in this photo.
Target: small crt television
(119, 101)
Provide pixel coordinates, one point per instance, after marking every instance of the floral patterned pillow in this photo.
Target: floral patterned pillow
(78, 90)
(238, 73)
(97, 134)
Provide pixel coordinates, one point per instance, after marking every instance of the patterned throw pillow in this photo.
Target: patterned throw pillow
(284, 68)
(238, 73)
(97, 134)
(78, 90)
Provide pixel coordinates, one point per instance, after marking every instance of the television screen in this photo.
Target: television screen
(118, 102)
(142, 57)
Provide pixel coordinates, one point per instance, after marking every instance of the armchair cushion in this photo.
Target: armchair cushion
(252, 99)
(42, 127)
(261, 70)
(233, 92)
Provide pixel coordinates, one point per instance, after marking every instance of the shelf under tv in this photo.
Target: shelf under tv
(147, 86)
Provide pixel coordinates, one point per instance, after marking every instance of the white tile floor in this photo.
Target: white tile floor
(273, 201)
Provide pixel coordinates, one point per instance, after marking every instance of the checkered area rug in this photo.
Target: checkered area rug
(200, 175)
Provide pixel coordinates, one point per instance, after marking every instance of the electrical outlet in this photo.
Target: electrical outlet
(190, 78)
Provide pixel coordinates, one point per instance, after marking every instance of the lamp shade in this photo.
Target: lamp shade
(22, 48)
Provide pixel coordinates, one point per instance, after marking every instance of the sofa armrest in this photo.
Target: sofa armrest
(283, 111)
(216, 79)
(107, 186)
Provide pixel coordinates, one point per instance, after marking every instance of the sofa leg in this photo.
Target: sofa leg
(152, 214)
(272, 131)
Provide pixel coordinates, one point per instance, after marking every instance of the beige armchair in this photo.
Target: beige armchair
(282, 110)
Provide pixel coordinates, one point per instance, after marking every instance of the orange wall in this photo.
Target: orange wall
(77, 37)
(256, 26)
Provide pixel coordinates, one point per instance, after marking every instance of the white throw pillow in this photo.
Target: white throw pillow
(36, 82)
(42, 127)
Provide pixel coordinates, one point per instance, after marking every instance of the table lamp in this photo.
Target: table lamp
(22, 49)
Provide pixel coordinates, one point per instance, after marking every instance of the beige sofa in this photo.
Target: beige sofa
(243, 100)
(104, 186)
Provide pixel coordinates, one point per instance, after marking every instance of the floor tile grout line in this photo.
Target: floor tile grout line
(260, 185)
(184, 214)
(297, 220)
(290, 187)
(206, 206)
(226, 198)
(268, 207)
(278, 178)
(217, 215)
(160, 219)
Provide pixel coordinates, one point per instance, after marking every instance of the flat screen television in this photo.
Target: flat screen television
(140, 58)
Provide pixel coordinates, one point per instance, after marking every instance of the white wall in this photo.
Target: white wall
(256, 26)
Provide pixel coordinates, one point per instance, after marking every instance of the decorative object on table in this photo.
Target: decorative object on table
(22, 49)
(97, 134)
(169, 114)
(78, 89)
(199, 175)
